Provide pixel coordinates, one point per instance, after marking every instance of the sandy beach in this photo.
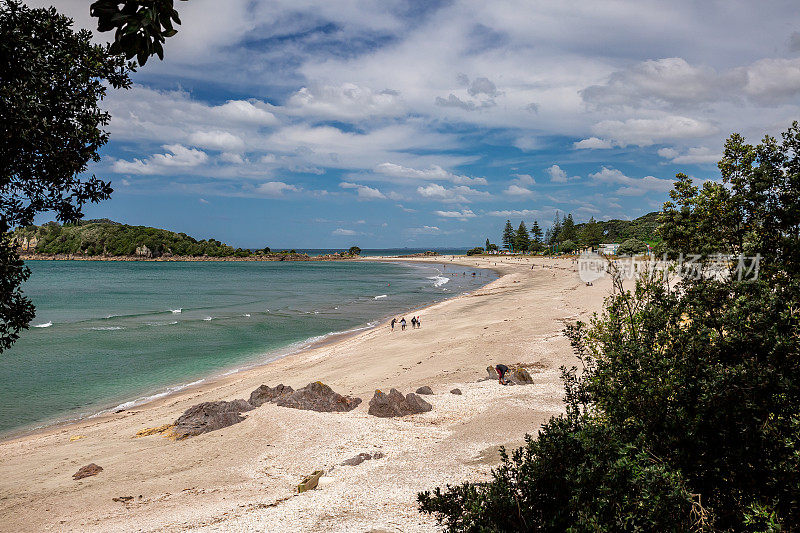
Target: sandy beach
(244, 477)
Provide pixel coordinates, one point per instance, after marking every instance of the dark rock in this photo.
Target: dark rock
(265, 394)
(424, 390)
(520, 376)
(209, 416)
(394, 404)
(360, 458)
(89, 470)
(318, 397)
(456, 391)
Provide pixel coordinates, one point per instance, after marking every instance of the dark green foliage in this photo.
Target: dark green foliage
(16, 311)
(686, 415)
(475, 251)
(354, 250)
(632, 247)
(568, 247)
(521, 239)
(52, 79)
(140, 26)
(568, 231)
(114, 240)
(591, 233)
(508, 236)
(644, 228)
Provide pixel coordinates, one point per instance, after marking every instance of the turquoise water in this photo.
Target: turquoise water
(109, 333)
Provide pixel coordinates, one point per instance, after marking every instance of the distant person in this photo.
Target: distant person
(394, 321)
(419, 324)
(403, 324)
(413, 322)
(501, 372)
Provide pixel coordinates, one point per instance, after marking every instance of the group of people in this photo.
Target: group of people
(415, 323)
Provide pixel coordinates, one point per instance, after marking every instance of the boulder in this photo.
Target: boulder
(89, 470)
(424, 390)
(456, 391)
(209, 416)
(317, 396)
(265, 394)
(395, 404)
(520, 376)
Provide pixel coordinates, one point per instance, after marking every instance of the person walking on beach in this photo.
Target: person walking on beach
(394, 321)
(419, 324)
(413, 322)
(501, 372)
(403, 324)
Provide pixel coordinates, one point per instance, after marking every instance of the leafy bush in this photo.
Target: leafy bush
(568, 247)
(632, 247)
(475, 251)
(686, 415)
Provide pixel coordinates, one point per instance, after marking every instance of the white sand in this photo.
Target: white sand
(243, 478)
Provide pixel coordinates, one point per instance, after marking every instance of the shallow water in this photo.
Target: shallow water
(110, 333)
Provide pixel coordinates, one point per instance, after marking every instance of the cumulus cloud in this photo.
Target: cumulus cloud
(460, 193)
(347, 101)
(648, 131)
(464, 214)
(632, 186)
(698, 155)
(524, 179)
(434, 172)
(424, 230)
(516, 190)
(217, 140)
(177, 157)
(482, 86)
(559, 175)
(593, 143)
(454, 101)
(364, 192)
(342, 232)
(275, 188)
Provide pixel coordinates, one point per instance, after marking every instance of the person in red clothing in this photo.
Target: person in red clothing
(501, 372)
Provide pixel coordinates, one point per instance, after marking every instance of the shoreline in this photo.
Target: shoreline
(243, 477)
(295, 348)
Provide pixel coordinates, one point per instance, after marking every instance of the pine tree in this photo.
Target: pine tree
(568, 231)
(508, 235)
(592, 233)
(555, 230)
(521, 239)
(536, 232)
(488, 245)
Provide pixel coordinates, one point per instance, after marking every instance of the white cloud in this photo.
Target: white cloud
(593, 143)
(424, 230)
(515, 213)
(524, 179)
(632, 186)
(177, 156)
(648, 131)
(217, 140)
(557, 174)
(464, 214)
(698, 155)
(364, 192)
(434, 172)
(347, 101)
(527, 143)
(342, 232)
(460, 193)
(516, 190)
(275, 188)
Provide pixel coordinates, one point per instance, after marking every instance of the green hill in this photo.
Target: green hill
(107, 238)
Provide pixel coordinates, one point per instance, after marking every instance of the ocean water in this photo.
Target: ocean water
(110, 334)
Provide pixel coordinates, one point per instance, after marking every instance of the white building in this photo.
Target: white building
(609, 249)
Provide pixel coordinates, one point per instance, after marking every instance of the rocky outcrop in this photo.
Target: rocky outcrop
(395, 404)
(317, 396)
(89, 470)
(265, 394)
(424, 390)
(28, 244)
(360, 458)
(456, 392)
(209, 416)
(143, 251)
(516, 375)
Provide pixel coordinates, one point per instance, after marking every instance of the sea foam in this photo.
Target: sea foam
(45, 325)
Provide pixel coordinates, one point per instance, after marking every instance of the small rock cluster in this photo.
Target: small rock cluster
(361, 457)
(395, 404)
(516, 375)
(210, 416)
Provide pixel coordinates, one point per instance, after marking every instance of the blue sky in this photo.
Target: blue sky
(326, 124)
